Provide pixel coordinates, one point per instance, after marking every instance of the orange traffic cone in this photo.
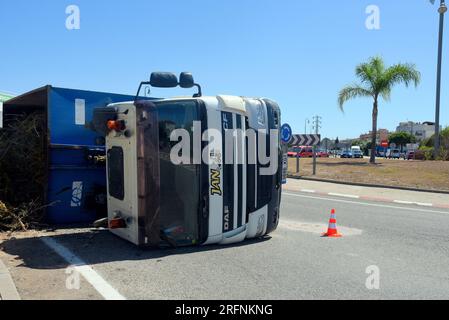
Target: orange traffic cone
(332, 230)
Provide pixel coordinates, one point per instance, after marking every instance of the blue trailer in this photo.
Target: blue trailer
(76, 179)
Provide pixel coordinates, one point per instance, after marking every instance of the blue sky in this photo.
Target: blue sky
(299, 53)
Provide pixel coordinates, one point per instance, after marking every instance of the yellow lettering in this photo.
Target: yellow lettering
(215, 182)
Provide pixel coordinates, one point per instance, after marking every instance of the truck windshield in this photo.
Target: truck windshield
(180, 184)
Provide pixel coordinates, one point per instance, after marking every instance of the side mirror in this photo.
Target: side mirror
(169, 80)
(186, 80)
(163, 80)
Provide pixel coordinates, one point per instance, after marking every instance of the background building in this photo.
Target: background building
(420, 130)
(382, 135)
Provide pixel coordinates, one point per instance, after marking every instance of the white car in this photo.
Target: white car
(393, 154)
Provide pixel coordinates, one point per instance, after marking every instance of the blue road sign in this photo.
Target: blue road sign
(286, 133)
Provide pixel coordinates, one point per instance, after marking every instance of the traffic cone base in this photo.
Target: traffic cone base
(336, 235)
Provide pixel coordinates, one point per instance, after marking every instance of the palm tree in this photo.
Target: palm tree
(376, 82)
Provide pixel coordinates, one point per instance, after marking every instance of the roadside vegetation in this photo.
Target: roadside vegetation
(427, 146)
(376, 82)
(22, 173)
(429, 175)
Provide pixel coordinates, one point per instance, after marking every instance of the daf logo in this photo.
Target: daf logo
(226, 218)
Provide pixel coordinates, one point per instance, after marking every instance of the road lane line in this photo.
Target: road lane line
(308, 191)
(344, 195)
(403, 202)
(363, 203)
(424, 204)
(103, 287)
(415, 203)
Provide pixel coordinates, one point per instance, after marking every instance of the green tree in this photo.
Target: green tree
(444, 137)
(337, 143)
(377, 81)
(401, 139)
(429, 143)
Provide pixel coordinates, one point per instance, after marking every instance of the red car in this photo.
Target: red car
(306, 152)
(293, 152)
(322, 154)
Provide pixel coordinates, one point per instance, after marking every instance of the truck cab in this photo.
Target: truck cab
(192, 171)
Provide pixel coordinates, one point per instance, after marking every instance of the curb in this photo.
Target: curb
(366, 185)
(8, 290)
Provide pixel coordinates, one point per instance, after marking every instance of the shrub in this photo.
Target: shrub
(427, 152)
(22, 171)
(420, 155)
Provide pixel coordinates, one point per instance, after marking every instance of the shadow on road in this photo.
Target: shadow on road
(96, 247)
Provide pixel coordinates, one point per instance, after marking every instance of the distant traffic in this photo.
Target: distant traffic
(354, 153)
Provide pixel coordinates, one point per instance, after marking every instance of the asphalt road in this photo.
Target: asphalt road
(408, 244)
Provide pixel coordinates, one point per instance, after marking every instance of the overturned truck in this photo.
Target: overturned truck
(191, 171)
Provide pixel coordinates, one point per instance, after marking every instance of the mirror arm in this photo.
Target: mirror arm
(200, 92)
(140, 87)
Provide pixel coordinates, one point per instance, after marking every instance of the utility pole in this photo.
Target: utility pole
(317, 121)
(441, 10)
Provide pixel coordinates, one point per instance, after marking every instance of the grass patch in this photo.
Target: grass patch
(432, 175)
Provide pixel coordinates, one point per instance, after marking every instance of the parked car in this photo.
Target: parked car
(410, 155)
(302, 152)
(346, 154)
(322, 154)
(357, 154)
(393, 154)
(306, 152)
(355, 148)
(293, 152)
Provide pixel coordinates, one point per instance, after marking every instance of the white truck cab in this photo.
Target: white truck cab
(189, 171)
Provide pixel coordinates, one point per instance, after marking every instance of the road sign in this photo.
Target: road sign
(308, 140)
(286, 133)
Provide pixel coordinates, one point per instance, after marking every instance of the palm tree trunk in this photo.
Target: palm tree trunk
(374, 133)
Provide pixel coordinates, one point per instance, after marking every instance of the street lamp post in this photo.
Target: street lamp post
(305, 125)
(441, 10)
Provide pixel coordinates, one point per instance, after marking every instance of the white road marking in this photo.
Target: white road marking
(103, 288)
(416, 203)
(344, 195)
(308, 191)
(363, 203)
(424, 204)
(403, 202)
(316, 228)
